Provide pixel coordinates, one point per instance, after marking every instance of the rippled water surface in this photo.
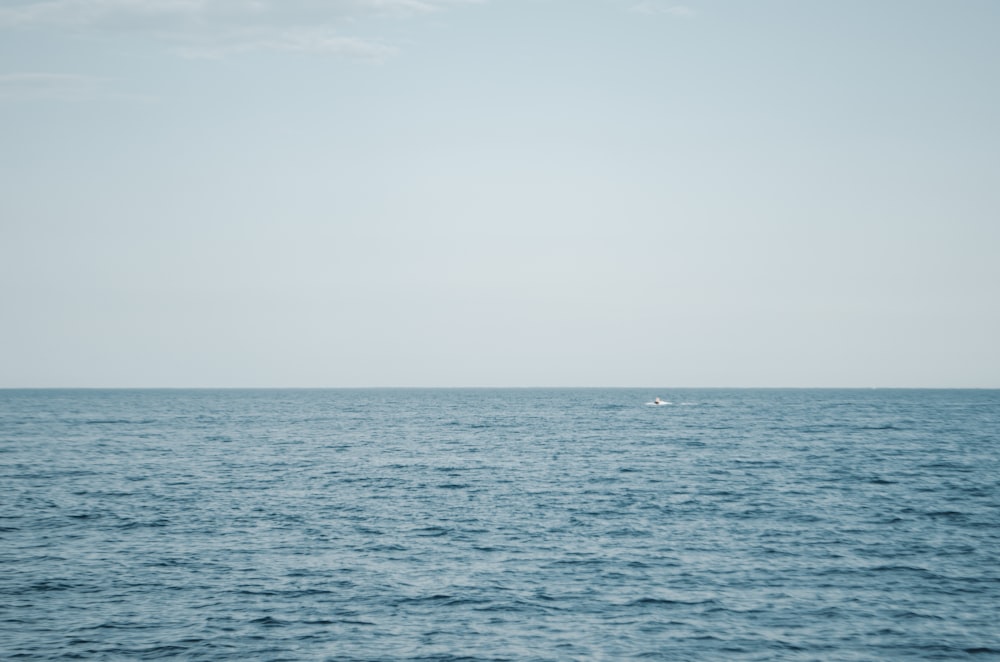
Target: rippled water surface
(499, 524)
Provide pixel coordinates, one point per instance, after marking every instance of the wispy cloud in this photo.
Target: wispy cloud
(294, 40)
(170, 13)
(220, 27)
(654, 7)
(23, 86)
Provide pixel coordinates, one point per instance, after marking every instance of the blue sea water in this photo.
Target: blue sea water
(499, 524)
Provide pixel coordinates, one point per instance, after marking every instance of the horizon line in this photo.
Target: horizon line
(495, 388)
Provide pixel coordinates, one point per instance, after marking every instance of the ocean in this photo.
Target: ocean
(499, 524)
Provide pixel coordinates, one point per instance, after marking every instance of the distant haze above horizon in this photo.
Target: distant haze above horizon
(360, 193)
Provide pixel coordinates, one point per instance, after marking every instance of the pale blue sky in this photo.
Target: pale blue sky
(499, 193)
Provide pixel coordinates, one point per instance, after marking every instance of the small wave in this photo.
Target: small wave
(269, 621)
(876, 428)
(44, 475)
(431, 532)
(153, 652)
(912, 615)
(385, 548)
(905, 569)
(134, 524)
(118, 421)
(650, 601)
(441, 599)
(47, 586)
(121, 625)
(84, 516)
(946, 514)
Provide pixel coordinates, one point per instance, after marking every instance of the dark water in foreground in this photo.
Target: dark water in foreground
(500, 524)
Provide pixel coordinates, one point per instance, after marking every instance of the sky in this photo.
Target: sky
(354, 193)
